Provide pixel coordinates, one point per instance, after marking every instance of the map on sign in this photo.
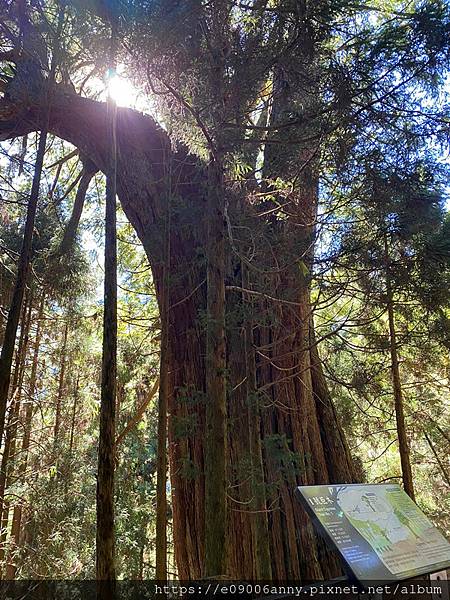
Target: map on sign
(379, 531)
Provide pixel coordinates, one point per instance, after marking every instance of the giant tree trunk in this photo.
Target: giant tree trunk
(300, 436)
(161, 481)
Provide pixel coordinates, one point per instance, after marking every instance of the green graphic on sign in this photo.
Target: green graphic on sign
(379, 531)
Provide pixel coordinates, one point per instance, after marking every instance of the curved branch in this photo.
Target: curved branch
(144, 151)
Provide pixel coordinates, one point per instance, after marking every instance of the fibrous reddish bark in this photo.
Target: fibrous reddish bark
(163, 402)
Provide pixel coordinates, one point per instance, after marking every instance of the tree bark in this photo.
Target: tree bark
(17, 378)
(12, 433)
(163, 401)
(105, 558)
(161, 469)
(336, 450)
(216, 411)
(258, 506)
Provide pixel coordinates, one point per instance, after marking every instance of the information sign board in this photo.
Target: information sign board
(380, 533)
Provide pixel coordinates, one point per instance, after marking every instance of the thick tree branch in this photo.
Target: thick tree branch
(144, 151)
(88, 172)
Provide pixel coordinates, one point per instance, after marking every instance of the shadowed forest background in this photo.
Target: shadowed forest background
(283, 278)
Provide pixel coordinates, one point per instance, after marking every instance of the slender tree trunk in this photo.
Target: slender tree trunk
(12, 432)
(444, 471)
(61, 381)
(403, 442)
(21, 279)
(74, 413)
(10, 564)
(11, 567)
(18, 374)
(17, 514)
(9, 446)
(138, 415)
(141, 561)
(105, 560)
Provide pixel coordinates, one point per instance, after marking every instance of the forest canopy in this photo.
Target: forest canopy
(224, 273)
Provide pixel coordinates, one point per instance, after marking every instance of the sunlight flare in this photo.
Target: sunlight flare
(122, 90)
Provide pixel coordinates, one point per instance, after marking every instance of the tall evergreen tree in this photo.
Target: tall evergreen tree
(261, 106)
